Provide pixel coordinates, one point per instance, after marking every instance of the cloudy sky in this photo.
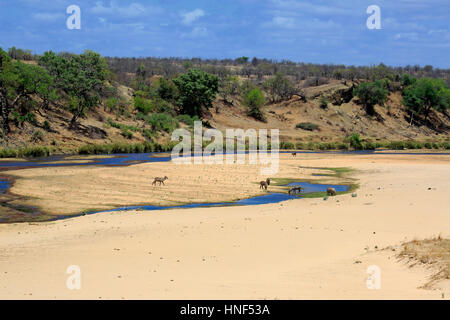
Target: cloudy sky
(318, 31)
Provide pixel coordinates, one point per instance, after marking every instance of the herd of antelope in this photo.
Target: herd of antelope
(262, 184)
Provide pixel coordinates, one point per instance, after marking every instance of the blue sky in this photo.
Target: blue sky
(319, 31)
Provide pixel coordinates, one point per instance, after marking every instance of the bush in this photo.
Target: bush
(308, 126)
(254, 101)
(369, 146)
(370, 94)
(127, 133)
(37, 136)
(323, 102)
(286, 145)
(162, 122)
(356, 141)
(46, 126)
(397, 145)
(187, 119)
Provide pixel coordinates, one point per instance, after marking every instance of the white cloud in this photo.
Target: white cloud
(191, 16)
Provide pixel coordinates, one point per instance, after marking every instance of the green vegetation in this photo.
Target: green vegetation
(145, 147)
(308, 126)
(18, 82)
(371, 94)
(254, 100)
(425, 94)
(197, 90)
(81, 77)
(161, 122)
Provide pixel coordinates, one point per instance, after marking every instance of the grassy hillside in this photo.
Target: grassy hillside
(142, 106)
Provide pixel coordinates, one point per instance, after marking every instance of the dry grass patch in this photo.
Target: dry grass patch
(433, 253)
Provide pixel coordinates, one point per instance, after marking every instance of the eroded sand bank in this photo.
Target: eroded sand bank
(298, 249)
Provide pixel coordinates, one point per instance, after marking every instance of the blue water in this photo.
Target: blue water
(130, 159)
(310, 187)
(4, 186)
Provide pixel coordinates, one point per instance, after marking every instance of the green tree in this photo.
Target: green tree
(81, 77)
(167, 90)
(18, 83)
(371, 94)
(197, 90)
(254, 101)
(425, 94)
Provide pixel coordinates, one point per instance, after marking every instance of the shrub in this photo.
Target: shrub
(46, 126)
(37, 136)
(254, 101)
(308, 126)
(397, 145)
(323, 102)
(287, 145)
(187, 119)
(162, 122)
(356, 141)
(127, 133)
(369, 146)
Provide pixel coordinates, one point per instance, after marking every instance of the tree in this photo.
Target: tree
(425, 94)
(81, 77)
(254, 101)
(167, 90)
(197, 90)
(228, 88)
(241, 60)
(371, 94)
(18, 82)
(279, 87)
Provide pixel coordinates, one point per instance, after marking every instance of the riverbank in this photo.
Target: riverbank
(76, 189)
(147, 147)
(298, 249)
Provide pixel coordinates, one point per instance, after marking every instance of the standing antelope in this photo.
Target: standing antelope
(331, 191)
(296, 190)
(294, 154)
(264, 184)
(160, 180)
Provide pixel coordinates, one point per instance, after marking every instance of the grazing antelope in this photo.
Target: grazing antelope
(160, 180)
(331, 191)
(264, 184)
(296, 190)
(294, 154)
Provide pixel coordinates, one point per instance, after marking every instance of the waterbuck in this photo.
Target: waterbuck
(264, 184)
(331, 191)
(160, 180)
(296, 190)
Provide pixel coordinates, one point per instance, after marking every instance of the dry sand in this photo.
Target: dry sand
(298, 249)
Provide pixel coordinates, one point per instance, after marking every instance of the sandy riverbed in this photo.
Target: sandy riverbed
(298, 249)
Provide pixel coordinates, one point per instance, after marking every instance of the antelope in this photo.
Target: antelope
(296, 190)
(264, 184)
(331, 191)
(294, 154)
(160, 180)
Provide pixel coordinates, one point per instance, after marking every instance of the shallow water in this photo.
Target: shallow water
(135, 158)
